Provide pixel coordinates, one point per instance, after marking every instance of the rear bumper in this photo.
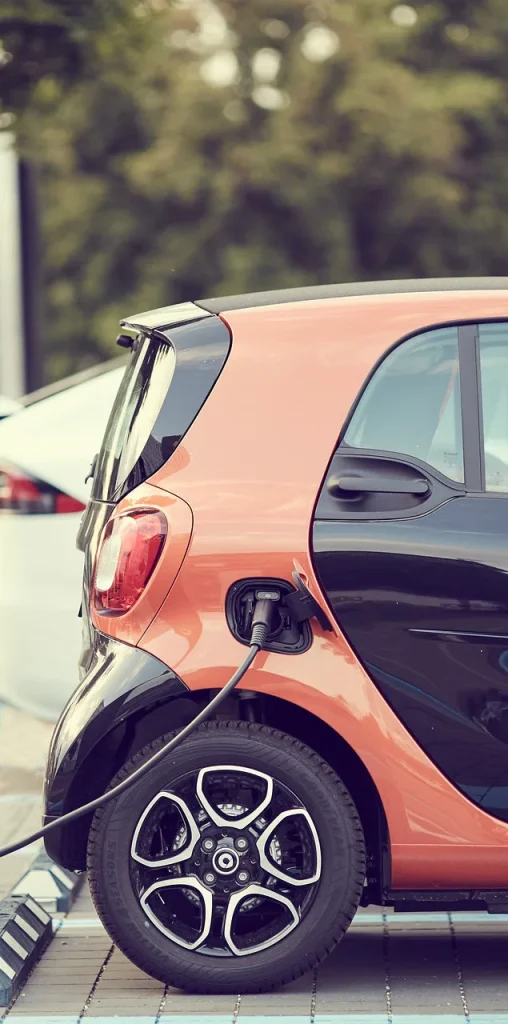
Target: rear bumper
(122, 683)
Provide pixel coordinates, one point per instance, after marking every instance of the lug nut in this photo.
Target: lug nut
(242, 877)
(241, 843)
(208, 845)
(209, 877)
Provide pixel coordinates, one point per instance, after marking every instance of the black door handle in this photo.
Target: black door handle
(376, 485)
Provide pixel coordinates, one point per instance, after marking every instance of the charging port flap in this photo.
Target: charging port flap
(302, 605)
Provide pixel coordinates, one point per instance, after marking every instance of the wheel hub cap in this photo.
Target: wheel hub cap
(226, 862)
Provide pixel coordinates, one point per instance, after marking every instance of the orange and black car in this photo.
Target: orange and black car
(346, 450)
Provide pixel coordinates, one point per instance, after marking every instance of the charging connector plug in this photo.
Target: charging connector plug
(262, 619)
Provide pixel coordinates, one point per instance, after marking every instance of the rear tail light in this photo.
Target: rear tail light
(24, 494)
(130, 549)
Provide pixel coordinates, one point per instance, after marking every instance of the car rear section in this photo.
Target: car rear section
(177, 355)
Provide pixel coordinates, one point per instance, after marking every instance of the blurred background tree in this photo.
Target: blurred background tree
(58, 38)
(196, 147)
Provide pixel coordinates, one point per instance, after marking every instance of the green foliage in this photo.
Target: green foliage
(62, 38)
(386, 159)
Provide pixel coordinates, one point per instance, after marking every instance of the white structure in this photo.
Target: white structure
(12, 368)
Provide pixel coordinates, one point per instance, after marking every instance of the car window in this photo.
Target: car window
(494, 392)
(411, 406)
(138, 402)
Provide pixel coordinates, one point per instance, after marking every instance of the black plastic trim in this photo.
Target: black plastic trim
(304, 606)
(334, 291)
(474, 474)
(479, 401)
(121, 682)
(495, 901)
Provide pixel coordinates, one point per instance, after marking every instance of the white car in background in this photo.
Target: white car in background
(8, 406)
(45, 453)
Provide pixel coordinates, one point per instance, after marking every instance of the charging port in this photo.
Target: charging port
(286, 635)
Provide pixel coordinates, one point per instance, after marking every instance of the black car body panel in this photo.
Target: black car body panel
(424, 604)
(121, 684)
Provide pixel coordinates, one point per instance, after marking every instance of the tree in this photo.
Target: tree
(273, 143)
(58, 38)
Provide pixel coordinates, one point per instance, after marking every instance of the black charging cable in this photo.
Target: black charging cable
(266, 600)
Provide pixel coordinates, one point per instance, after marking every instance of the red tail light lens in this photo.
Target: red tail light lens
(23, 494)
(129, 551)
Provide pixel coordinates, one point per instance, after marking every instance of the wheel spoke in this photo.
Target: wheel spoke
(267, 863)
(183, 883)
(215, 813)
(192, 833)
(233, 908)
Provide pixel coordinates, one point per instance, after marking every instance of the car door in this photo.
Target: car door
(410, 545)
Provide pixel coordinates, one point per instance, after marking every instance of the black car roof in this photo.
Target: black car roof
(334, 291)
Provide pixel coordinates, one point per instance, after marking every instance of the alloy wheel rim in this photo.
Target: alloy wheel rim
(226, 861)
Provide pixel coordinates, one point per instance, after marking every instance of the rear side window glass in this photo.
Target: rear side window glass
(411, 406)
(494, 396)
(138, 403)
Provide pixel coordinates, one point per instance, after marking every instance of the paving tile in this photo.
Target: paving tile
(188, 1017)
(483, 966)
(112, 992)
(422, 972)
(62, 979)
(84, 904)
(274, 1006)
(185, 1003)
(294, 998)
(78, 926)
(352, 979)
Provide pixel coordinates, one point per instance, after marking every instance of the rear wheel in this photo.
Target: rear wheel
(233, 866)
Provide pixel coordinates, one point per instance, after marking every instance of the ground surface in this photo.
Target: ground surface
(404, 969)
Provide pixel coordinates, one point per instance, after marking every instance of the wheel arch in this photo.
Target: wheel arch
(125, 739)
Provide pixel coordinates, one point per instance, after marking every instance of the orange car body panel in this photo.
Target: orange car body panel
(250, 468)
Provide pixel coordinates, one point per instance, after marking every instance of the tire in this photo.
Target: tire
(291, 927)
